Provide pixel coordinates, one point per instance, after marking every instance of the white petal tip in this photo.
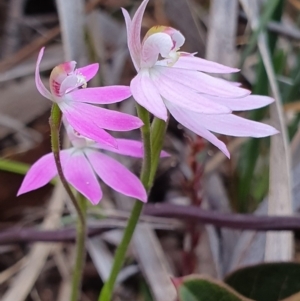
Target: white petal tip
(23, 190)
(140, 123)
(95, 201)
(275, 132)
(268, 130)
(225, 151)
(163, 117)
(19, 193)
(144, 200)
(41, 53)
(164, 154)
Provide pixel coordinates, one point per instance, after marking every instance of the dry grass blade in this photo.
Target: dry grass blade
(63, 262)
(27, 135)
(208, 262)
(71, 18)
(279, 246)
(64, 290)
(8, 273)
(39, 42)
(103, 29)
(153, 263)
(183, 15)
(27, 50)
(219, 157)
(53, 58)
(221, 39)
(101, 256)
(31, 106)
(217, 200)
(295, 149)
(25, 280)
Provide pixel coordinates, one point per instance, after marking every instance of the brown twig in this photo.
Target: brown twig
(21, 235)
(186, 213)
(228, 220)
(36, 44)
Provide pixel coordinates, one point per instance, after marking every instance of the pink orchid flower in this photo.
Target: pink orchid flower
(65, 89)
(83, 162)
(171, 80)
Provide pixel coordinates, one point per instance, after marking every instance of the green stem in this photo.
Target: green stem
(80, 251)
(119, 258)
(55, 122)
(158, 131)
(150, 162)
(146, 137)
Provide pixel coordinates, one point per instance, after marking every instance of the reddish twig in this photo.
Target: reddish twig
(184, 213)
(193, 188)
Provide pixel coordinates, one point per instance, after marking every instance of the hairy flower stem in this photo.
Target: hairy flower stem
(55, 122)
(152, 141)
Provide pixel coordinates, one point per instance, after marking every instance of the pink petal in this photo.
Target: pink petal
(76, 139)
(104, 118)
(201, 82)
(101, 95)
(127, 21)
(237, 84)
(185, 97)
(39, 174)
(128, 147)
(80, 174)
(86, 126)
(89, 71)
(135, 59)
(134, 30)
(132, 148)
(155, 44)
(245, 103)
(186, 118)
(147, 95)
(39, 84)
(229, 124)
(196, 63)
(115, 175)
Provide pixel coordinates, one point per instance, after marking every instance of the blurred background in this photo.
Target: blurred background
(261, 37)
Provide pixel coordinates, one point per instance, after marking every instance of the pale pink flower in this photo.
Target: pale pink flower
(89, 120)
(171, 80)
(83, 162)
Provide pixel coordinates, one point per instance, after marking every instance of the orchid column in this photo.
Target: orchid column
(169, 80)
